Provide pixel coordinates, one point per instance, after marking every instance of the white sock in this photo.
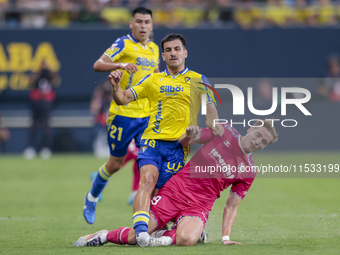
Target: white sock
(92, 198)
(103, 237)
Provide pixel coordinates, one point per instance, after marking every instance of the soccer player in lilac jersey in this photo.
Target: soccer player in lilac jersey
(187, 198)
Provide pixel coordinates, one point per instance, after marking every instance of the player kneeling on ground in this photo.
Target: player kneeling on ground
(188, 197)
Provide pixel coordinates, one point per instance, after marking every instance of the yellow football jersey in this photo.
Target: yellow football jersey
(128, 50)
(175, 102)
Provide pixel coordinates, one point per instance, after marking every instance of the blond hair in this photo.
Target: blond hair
(269, 124)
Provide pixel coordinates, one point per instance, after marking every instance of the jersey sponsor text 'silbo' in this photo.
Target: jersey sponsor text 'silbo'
(128, 50)
(175, 102)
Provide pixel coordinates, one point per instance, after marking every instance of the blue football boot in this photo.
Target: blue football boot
(89, 211)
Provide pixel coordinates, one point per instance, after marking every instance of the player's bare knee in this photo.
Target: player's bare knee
(148, 180)
(183, 240)
(186, 239)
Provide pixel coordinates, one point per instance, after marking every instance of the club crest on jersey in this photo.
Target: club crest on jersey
(187, 79)
(152, 50)
(144, 148)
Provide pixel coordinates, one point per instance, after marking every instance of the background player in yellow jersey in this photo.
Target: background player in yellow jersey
(137, 56)
(175, 99)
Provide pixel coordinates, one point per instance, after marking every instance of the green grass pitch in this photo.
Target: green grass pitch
(41, 209)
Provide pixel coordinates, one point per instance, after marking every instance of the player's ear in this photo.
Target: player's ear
(130, 24)
(163, 56)
(185, 53)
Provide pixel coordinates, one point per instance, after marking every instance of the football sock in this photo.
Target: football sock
(140, 221)
(103, 237)
(118, 236)
(100, 182)
(172, 234)
(92, 198)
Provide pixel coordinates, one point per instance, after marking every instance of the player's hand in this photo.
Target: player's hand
(115, 78)
(229, 242)
(129, 67)
(218, 130)
(192, 131)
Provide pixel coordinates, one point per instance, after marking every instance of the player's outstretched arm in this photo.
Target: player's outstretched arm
(104, 64)
(121, 97)
(229, 216)
(210, 117)
(191, 136)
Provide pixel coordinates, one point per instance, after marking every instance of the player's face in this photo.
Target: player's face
(141, 26)
(174, 54)
(257, 138)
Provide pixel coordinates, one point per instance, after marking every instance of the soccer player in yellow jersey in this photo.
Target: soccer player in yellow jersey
(174, 99)
(137, 57)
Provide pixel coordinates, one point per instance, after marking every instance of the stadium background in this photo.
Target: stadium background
(42, 199)
(217, 53)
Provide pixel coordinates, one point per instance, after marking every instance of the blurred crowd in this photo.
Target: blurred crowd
(247, 14)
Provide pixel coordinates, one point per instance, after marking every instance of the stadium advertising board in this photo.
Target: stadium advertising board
(19, 59)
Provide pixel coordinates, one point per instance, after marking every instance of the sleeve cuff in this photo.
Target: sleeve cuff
(134, 93)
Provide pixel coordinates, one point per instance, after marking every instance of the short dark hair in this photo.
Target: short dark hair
(141, 10)
(173, 37)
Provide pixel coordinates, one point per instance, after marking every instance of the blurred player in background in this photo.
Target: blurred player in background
(188, 197)
(132, 156)
(175, 101)
(41, 99)
(137, 56)
(5, 135)
(100, 105)
(329, 88)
